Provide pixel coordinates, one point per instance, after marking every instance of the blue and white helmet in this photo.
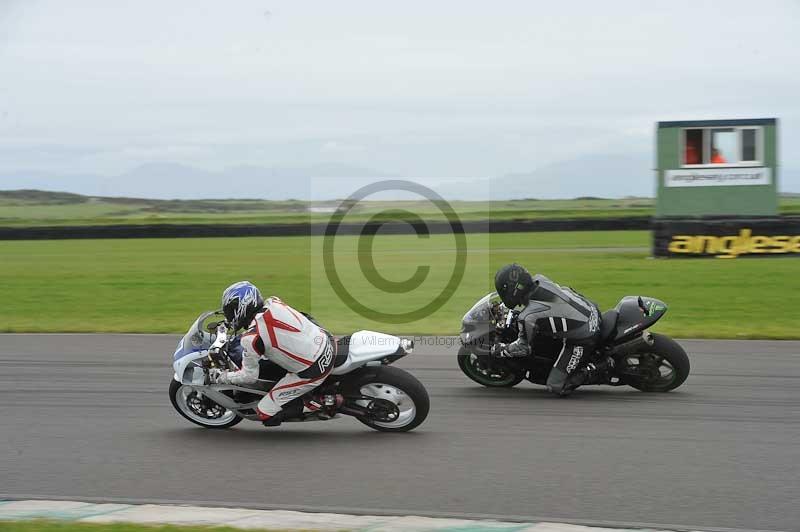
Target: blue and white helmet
(240, 303)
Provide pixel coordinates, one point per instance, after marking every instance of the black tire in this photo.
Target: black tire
(394, 377)
(672, 352)
(174, 386)
(467, 363)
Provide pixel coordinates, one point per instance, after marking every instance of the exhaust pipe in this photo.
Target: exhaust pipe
(632, 346)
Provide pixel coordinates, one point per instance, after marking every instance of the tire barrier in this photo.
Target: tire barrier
(637, 223)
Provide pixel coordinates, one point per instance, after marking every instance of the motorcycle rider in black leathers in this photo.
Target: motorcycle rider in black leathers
(558, 312)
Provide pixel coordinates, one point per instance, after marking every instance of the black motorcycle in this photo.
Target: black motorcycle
(646, 361)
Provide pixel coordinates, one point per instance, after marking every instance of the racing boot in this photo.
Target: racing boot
(323, 405)
(595, 372)
(272, 421)
(559, 383)
(591, 373)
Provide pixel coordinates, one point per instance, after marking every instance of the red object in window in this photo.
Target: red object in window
(692, 154)
(717, 158)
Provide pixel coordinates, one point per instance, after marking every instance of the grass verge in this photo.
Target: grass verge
(37, 208)
(69, 526)
(161, 285)
(40, 208)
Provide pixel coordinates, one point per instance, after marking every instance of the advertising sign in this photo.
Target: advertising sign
(717, 177)
(727, 239)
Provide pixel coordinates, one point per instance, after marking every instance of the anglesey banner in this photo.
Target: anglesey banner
(727, 239)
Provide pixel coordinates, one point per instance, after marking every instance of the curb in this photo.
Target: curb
(157, 514)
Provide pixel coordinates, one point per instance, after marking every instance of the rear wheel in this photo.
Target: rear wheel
(397, 402)
(483, 370)
(660, 368)
(200, 410)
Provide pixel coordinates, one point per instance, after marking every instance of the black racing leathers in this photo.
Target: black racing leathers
(562, 313)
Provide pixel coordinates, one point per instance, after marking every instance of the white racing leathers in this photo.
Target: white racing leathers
(286, 337)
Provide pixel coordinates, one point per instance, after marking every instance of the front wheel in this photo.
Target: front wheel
(397, 402)
(490, 373)
(658, 368)
(200, 410)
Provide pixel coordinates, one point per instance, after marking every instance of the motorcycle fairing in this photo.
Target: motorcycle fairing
(637, 313)
(368, 346)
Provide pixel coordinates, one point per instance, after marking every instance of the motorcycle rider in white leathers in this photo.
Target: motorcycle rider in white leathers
(277, 332)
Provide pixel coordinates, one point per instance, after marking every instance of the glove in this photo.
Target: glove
(216, 375)
(499, 350)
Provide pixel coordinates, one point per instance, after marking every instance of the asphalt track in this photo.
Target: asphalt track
(87, 416)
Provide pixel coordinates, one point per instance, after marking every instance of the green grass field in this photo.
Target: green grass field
(33, 208)
(161, 285)
(20, 209)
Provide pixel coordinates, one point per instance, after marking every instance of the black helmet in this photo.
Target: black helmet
(240, 303)
(514, 284)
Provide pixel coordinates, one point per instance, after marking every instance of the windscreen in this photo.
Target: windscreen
(196, 338)
(482, 310)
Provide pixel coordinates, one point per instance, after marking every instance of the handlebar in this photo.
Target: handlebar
(217, 352)
(221, 339)
(509, 318)
(504, 316)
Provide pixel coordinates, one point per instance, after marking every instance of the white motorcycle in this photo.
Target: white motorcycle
(361, 384)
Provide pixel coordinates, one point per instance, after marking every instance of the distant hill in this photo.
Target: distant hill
(44, 197)
(152, 205)
(172, 180)
(600, 176)
(49, 197)
(596, 176)
(31, 208)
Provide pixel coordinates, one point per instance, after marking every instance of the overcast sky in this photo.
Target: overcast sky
(441, 89)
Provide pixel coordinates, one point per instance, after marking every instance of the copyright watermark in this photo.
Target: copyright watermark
(427, 345)
(355, 276)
